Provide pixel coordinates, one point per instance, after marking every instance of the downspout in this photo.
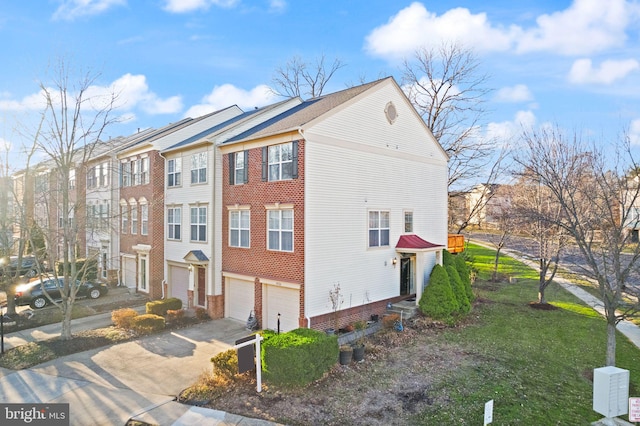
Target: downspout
(304, 285)
(164, 280)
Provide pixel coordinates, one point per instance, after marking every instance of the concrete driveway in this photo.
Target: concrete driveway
(116, 383)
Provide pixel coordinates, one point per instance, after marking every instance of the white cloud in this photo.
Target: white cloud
(583, 72)
(585, 27)
(72, 9)
(414, 27)
(227, 94)
(132, 92)
(509, 130)
(277, 5)
(185, 6)
(517, 93)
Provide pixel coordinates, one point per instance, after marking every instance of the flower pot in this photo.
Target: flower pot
(358, 353)
(345, 356)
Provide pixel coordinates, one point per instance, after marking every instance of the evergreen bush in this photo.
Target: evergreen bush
(465, 275)
(160, 307)
(225, 364)
(447, 258)
(458, 290)
(147, 323)
(298, 357)
(437, 300)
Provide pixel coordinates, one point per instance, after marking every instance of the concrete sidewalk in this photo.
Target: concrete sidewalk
(137, 380)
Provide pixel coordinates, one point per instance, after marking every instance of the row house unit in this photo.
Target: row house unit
(271, 210)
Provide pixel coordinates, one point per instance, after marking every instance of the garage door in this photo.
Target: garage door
(129, 272)
(285, 301)
(179, 283)
(239, 299)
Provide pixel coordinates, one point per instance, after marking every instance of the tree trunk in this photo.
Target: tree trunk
(65, 333)
(10, 290)
(611, 344)
(495, 265)
(541, 298)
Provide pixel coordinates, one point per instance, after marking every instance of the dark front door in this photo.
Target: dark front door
(201, 286)
(405, 276)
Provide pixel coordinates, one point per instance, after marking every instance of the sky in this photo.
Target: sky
(575, 64)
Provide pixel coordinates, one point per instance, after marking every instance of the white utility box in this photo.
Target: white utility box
(611, 391)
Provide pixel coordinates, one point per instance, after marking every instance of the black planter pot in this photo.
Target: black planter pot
(358, 353)
(345, 356)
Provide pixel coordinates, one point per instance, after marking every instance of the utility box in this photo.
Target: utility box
(611, 391)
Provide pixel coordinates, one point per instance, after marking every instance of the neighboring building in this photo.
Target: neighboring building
(193, 179)
(141, 203)
(348, 190)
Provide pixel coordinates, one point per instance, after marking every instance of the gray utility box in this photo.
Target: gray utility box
(611, 391)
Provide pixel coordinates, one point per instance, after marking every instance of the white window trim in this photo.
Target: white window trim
(178, 223)
(282, 209)
(240, 228)
(198, 224)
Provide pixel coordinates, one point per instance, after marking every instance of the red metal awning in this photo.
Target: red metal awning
(414, 242)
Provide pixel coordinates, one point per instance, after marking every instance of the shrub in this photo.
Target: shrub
(160, 307)
(437, 300)
(465, 275)
(447, 258)
(87, 268)
(225, 364)
(175, 315)
(201, 313)
(147, 323)
(122, 318)
(297, 357)
(458, 290)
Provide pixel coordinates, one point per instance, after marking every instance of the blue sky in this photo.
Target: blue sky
(572, 63)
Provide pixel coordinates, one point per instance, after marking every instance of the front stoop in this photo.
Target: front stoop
(407, 308)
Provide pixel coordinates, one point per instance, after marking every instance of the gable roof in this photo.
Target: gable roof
(304, 113)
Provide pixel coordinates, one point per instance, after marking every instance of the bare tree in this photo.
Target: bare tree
(448, 89)
(302, 78)
(596, 200)
(537, 216)
(74, 117)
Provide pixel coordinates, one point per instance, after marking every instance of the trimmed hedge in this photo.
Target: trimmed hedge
(297, 357)
(160, 307)
(122, 318)
(458, 290)
(147, 323)
(465, 276)
(225, 364)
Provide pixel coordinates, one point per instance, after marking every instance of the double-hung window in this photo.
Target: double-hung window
(199, 168)
(135, 171)
(198, 224)
(174, 172)
(238, 168)
(91, 177)
(134, 218)
(239, 225)
(144, 218)
(125, 173)
(408, 221)
(378, 228)
(174, 221)
(280, 162)
(124, 214)
(144, 171)
(280, 232)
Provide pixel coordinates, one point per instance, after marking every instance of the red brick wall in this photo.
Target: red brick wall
(257, 261)
(154, 193)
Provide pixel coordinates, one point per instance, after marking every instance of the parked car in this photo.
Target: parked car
(32, 293)
(28, 266)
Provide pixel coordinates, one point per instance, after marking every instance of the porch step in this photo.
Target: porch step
(408, 308)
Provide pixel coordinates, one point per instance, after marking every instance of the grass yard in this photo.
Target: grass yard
(536, 365)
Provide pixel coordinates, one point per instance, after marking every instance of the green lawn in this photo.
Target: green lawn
(536, 365)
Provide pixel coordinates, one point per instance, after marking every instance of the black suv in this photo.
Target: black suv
(28, 266)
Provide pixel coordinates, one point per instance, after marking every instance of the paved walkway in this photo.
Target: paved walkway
(136, 380)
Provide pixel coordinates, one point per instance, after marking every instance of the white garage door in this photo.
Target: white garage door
(239, 299)
(285, 301)
(129, 272)
(179, 283)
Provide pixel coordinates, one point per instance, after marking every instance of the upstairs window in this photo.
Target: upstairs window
(198, 224)
(174, 220)
(378, 228)
(134, 218)
(144, 171)
(280, 232)
(144, 218)
(91, 177)
(238, 168)
(408, 221)
(280, 162)
(125, 173)
(199, 168)
(124, 214)
(174, 172)
(239, 224)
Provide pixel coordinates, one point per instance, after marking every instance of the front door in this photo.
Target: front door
(407, 276)
(201, 286)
